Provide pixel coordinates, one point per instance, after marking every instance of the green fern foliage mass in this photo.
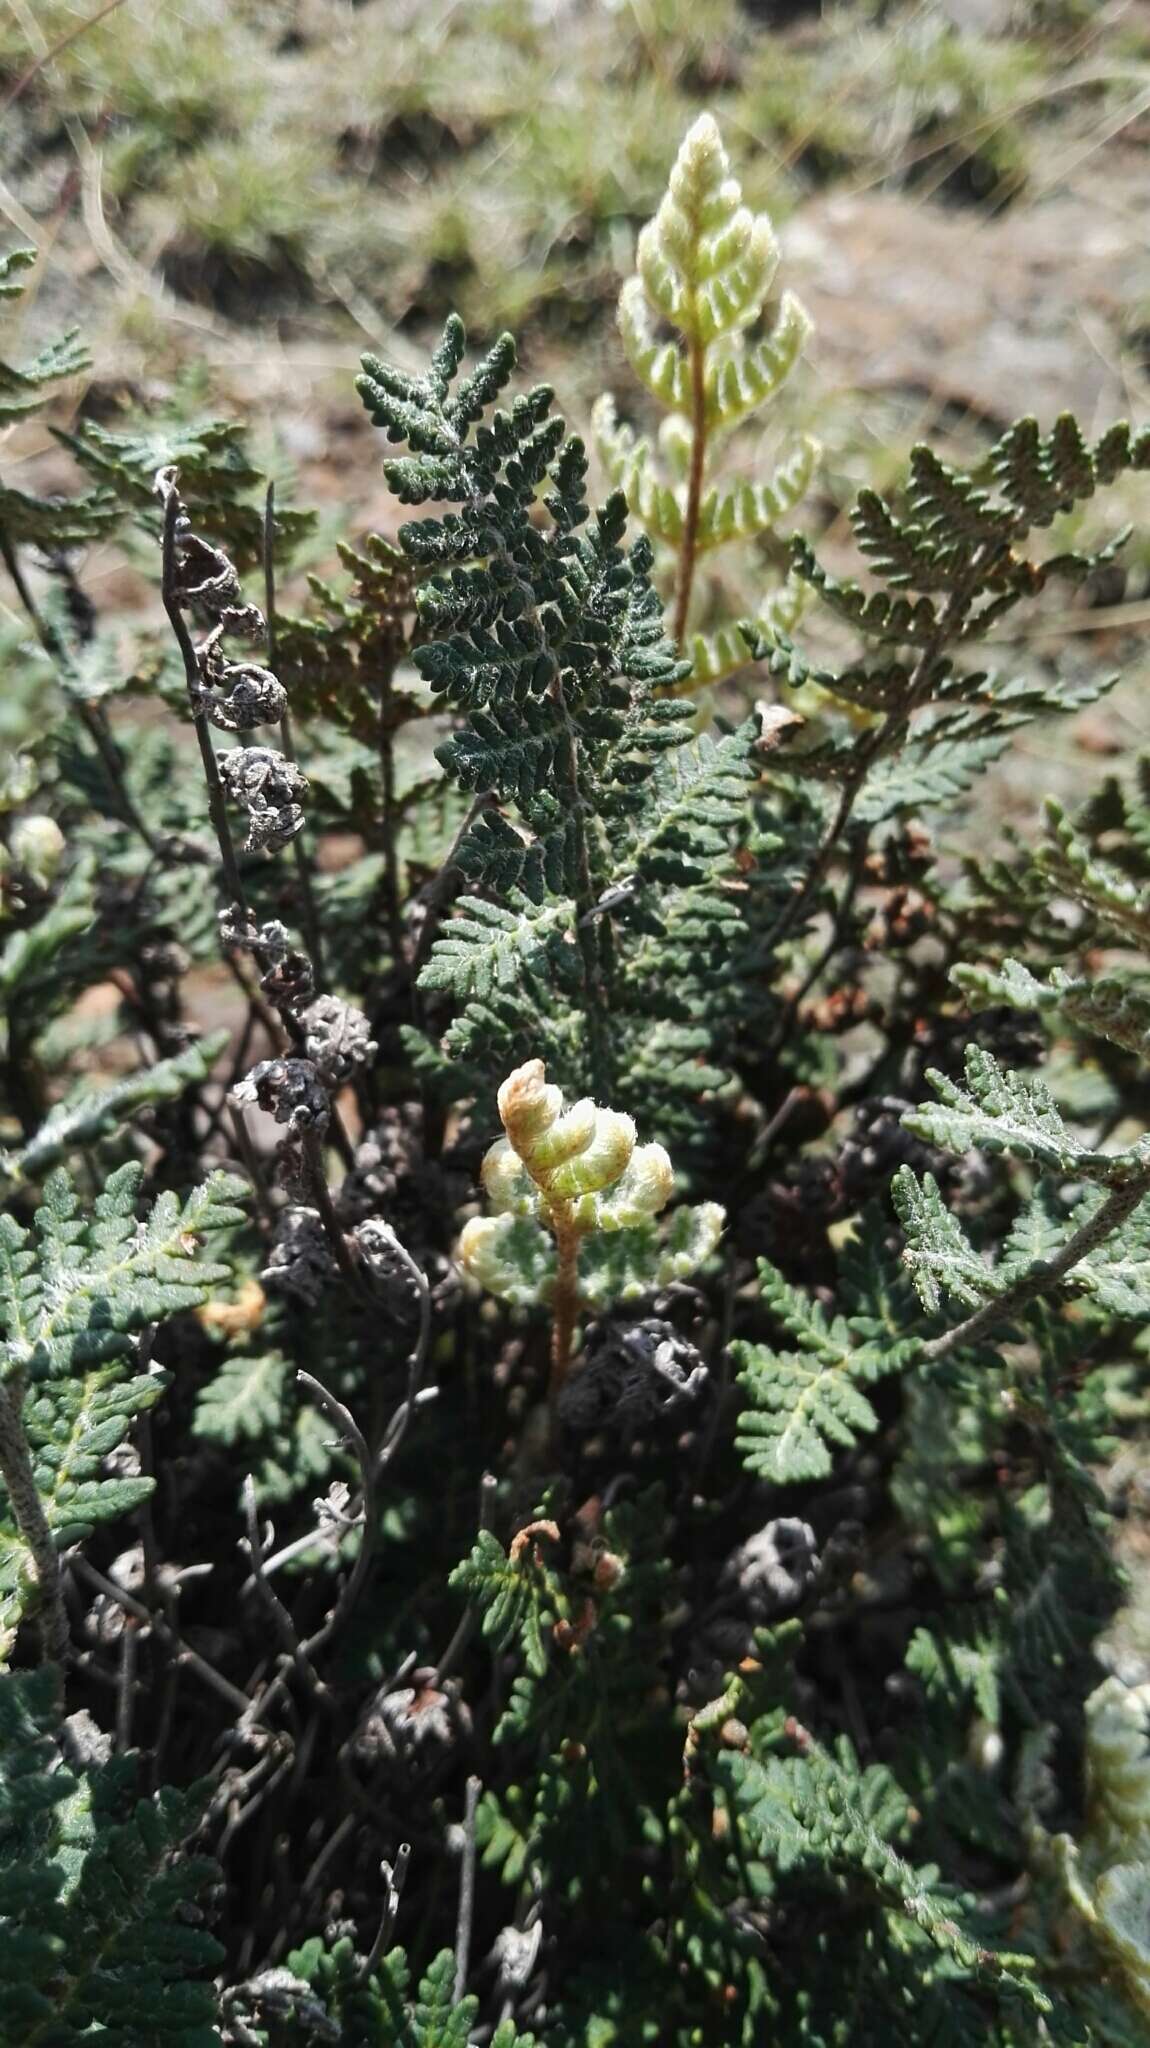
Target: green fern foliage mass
(98, 1936)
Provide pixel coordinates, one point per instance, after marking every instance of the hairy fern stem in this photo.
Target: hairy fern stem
(28, 1510)
(688, 551)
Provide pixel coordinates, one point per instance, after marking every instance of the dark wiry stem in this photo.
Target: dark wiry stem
(864, 760)
(217, 807)
(281, 1619)
(321, 1196)
(256, 1710)
(417, 1360)
(393, 1876)
(466, 1889)
(794, 1003)
(164, 1633)
(126, 1683)
(391, 900)
(352, 1435)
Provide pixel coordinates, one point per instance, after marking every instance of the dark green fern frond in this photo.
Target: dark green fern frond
(327, 1998)
(98, 1933)
(605, 856)
(517, 1594)
(949, 557)
(216, 475)
(826, 1816)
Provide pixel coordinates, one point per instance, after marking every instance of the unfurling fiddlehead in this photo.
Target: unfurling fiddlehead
(569, 1174)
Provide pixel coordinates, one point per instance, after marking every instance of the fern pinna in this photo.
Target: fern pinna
(950, 561)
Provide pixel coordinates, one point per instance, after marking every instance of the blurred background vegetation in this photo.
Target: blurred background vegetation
(233, 197)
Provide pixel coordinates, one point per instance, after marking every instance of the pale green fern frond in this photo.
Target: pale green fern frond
(704, 267)
(1105, 1872)
(75, 1296)
(742, 509)
(724, 650)
(807, 1398)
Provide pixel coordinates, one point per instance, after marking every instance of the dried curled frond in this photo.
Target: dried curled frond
(266, 785)
(207, 581)
(423, 1714)
(285, 972)
(291, 1090)
(338, 1038)
(773, 1569)
(631, 1375)
(301, 1261)
(236, 696)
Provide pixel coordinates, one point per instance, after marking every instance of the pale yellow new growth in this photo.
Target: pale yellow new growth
(1107, 1871)
(704, 266)
(564, 1166)
(1118, 1769)
(574, 1170)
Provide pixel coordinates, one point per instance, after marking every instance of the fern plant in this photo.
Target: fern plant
(844, 1822)
(660, 1574)
(950, 563)
(808, 1401)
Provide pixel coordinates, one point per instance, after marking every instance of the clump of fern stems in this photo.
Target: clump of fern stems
(592, 1386)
